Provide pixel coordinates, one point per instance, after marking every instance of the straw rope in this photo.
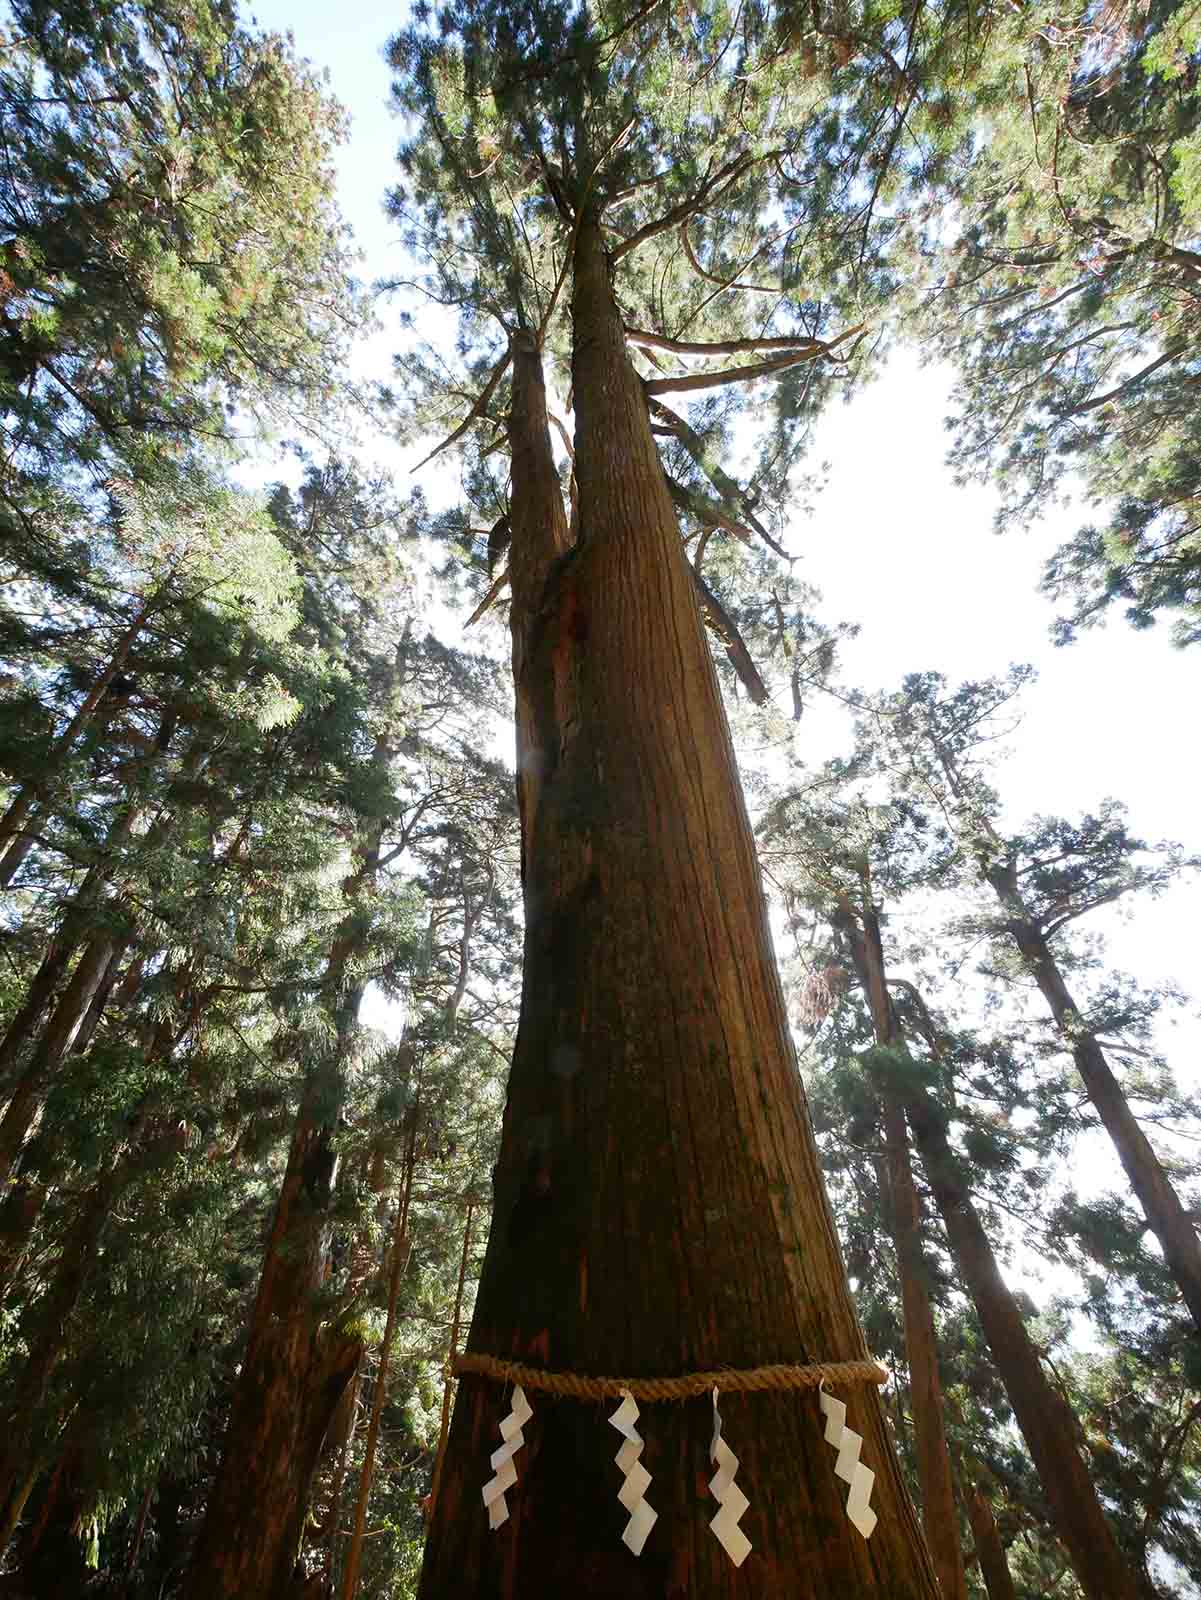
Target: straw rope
(730, 1380)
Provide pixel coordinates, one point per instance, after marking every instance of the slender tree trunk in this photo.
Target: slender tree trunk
(448, 1381)
(100, 999)
(75, 924)
(658, 1203)
(940, 1517)
(539, 540)
(1170, 1223)
(400, 1254)
(77, 921)
(37, 998)
(341, 1435)
(23, 802)
(28, 1437)
(990, 1552)
(1047, 1424)
(939, 1514)
(54, 1044)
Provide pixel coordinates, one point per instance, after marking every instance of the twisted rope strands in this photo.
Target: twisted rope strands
(730, 1380)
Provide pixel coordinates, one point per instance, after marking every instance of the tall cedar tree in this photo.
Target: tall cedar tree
(1043, 883)
(838, 878)
(658, 1206)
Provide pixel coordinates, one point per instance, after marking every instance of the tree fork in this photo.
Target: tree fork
(658, 1204)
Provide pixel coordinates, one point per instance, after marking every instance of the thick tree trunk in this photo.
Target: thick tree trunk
(990, 1552)
(939, 1515)
(659, 1207)
(1169, 1221)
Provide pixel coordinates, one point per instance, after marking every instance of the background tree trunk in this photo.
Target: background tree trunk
(1161, 1204)
(939, 1513)
(990, 1552)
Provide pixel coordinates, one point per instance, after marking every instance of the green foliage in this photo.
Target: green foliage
(170, 249)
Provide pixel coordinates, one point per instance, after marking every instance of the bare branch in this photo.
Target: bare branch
(489, 599)
(1169, 354)
(476, 411)
(709, 512)
(571, 486)
(725, 347)
(723, 625)
(688, 382)
(730, 173)
(725, 283)
(730, 492)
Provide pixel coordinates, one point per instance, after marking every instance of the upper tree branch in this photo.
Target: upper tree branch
(730, 173)
(710, 513)
(1169, 354)
(731, 494)
(726, 283)
(476, 411)
(690, 381)
(726, 629)
(724, 347)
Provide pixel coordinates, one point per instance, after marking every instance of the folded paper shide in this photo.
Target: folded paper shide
(732, 1501)
(505, 1473)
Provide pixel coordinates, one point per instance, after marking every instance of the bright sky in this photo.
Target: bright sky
(896, 547)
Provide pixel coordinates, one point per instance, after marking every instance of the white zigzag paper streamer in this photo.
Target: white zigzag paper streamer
(642, 1516)
(730, 1499)
(502, 1459)
(848, 1466)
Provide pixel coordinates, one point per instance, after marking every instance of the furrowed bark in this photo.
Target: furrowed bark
(658, 1205)
(292, 1378)
(297, 1364)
